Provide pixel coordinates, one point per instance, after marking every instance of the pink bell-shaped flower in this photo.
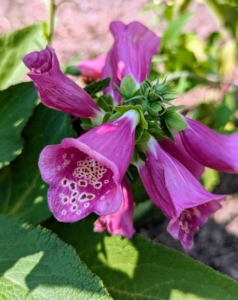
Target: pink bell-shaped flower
(92, 68)
(177, 192)
(85, 174)
(209, 148)
(58, 91)
(121, 221)
(180, 153)
(131, 54)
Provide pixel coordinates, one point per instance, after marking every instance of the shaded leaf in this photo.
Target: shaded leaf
(36, 264)
(13, 47)
(16, 106)
(23, 193)
(140, 269)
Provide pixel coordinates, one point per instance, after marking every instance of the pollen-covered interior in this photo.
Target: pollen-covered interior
(81, 182)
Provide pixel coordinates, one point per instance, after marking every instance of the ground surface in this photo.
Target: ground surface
(82, 28)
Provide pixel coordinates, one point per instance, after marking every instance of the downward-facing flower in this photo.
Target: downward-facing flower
(180, 153)
(92, 68)
(58, 91)
(121, 221)
(209, 148)
(177, 192)
(85, 174)
(131, 54)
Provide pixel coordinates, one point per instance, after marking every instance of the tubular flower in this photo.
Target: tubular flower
(180, 153)
(121, 221)
(209, 148)
(177, 192)
(85, 174)
(56, 90)
(132, 51)
(92, 68)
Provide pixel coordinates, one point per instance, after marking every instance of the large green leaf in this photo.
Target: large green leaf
(140, 269)
(16, 106)
(36, 264)
(23, 193)
(13, 47)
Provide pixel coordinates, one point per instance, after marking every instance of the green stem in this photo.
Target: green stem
(51, 20)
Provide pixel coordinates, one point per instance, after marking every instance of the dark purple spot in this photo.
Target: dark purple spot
(83, 196)
(74, 207)
(72, 185)
(65, 199)
(73, 200)
(90, 196)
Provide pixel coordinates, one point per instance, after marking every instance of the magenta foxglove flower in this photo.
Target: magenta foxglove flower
(58, 91)
(85, 174)
(121, 221)
(180, 153)
(177, 192)
(209, 148)
(132, 52)
(92, 68)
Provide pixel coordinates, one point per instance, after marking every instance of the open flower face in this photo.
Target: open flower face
(209, 148)
(131, 54)
(121, 221)
(85, 174)
(56, 90)
(177, 192)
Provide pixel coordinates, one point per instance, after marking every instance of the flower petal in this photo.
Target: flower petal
(56, 90)
(180, 153)
(175, 190)
(132, 51)
(85, 173)
(92, 68)
(121, 221)
(209, 148)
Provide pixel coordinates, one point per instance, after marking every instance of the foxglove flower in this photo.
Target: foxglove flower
(177, 192)
(58, 91)
(92, 68)
(85, 174)
(132, 51)
(209, 148)
(121, 221)
(180, 153)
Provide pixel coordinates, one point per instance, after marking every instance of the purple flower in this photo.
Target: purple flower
(209, 148)
(121, 221)
(92, 68)
(132, 51)
(180, 153)
(56, 90)
(177, 192)
(85, 174)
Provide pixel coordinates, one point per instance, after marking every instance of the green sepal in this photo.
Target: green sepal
(174, 108)
(174, 121)
(144, 137)
(72, 70)
(106, 117)
(137, 155)
(156, 131)
(86, 127)
(144, 86)
(156, 106)
(86, 121)
(103, 104)
(108, 99)
(152, 112)
(115, 116)
(167, 130)
(125, 108)
(93, 88)
(128, 86)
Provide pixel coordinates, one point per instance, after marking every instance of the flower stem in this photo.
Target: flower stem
(51, 20)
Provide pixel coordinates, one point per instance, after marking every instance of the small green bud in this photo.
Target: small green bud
(152, 112)
(144, 86)
(128, 86)
(175, 121)
(72, 70)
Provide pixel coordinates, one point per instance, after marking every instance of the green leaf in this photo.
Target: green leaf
(13, 47)
(140, 269)
(16, 106)
(97, 86)
(23, 193)
(128, 86)
(174, 30)
(36, 264)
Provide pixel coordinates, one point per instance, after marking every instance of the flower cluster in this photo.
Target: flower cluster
(136, 125)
